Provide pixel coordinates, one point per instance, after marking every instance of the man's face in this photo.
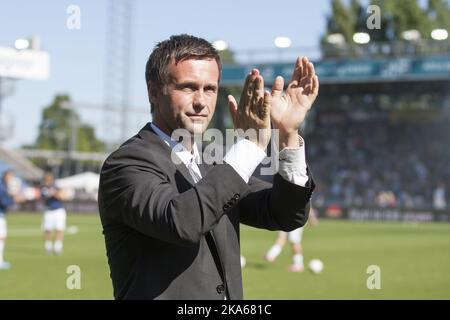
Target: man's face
(48, 180)
(189, 99)
(8, 177)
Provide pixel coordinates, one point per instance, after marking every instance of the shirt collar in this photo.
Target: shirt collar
(185, 155)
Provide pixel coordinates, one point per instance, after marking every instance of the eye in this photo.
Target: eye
(187, 88)
(211, 89)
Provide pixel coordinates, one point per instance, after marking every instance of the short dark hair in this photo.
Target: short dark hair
(180, 47)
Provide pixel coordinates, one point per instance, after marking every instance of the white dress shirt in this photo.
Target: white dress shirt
(244, 156)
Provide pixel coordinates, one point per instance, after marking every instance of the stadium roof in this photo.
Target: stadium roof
(11, 160)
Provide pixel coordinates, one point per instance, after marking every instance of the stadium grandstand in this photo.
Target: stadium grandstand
(378, 135)
(24, 168)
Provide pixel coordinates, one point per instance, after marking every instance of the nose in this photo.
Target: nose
(199, 101)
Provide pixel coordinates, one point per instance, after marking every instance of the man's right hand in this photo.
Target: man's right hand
(253, 111)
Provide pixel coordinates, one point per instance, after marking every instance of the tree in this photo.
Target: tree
(55, 130)
(339, 24)
(408, 15)
(61, 129)
(438, 11)
(358, 16)
(341, 21)
(396, 17)
(387, 30)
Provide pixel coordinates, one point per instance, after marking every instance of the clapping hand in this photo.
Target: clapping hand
(288, 110)
(253, 110)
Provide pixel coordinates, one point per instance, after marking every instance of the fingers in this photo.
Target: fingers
(298, 70)
(315, 85)
(260, 103)
(305, 65)
(311, 71)
(253, 110)
(312, 81)
(306, 68)
(258, 94)
(304, 76)
(259, 87)
(248, 91)
(265, 110)
(277, 87)
(232, 106)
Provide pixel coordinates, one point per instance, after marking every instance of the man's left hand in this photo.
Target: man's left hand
(288, 111)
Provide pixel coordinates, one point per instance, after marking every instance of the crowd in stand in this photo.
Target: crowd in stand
(381, 164)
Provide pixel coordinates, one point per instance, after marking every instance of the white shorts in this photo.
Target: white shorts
(295, 236)
(3, 227)
(54, 220)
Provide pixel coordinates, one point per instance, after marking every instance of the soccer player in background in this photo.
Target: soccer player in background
(54, 221)
(7, 199)
(295, 238)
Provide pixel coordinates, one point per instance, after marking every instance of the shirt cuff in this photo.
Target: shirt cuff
(293, 165)
(244, 156)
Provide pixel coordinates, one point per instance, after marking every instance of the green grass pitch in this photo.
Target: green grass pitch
(414, 260)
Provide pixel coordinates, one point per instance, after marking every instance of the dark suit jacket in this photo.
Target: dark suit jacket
(168, 238)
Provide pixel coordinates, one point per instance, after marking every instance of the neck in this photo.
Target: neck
(187, 142)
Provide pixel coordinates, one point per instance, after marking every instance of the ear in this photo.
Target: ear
(152, 90)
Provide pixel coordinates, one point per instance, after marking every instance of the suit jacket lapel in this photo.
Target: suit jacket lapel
(150, 136)
(185, 172)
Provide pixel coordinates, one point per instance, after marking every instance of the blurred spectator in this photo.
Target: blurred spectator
(439, 201)
(380, 163)
(9, 195)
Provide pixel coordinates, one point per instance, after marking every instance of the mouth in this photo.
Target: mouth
(197, 117)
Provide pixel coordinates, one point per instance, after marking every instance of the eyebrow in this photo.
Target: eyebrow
(194, 84)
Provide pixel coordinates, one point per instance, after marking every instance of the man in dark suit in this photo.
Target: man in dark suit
(171, 222)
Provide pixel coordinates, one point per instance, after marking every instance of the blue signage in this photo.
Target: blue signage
(349, 71)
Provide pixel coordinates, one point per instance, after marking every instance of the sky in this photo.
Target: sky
(78, 56)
